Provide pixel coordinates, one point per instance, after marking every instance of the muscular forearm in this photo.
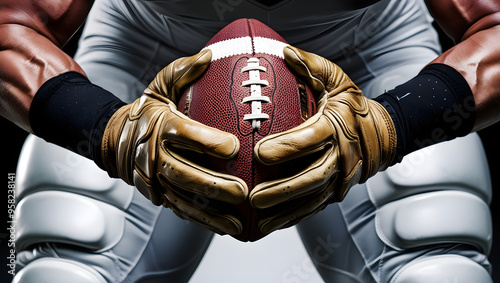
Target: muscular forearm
(478, 59)
(27, 60)
(31, 34)
(458, 92)
(475, 27)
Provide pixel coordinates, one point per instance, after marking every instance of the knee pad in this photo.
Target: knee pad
(69, 212)
(433, 218)
(65, 198)
(436, 195)
(442, 268)
(44, 167)
(57, 270)
(62, 217)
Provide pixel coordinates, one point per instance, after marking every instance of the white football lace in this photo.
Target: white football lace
(254, 82)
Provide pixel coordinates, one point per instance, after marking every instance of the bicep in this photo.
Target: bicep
(459, 18)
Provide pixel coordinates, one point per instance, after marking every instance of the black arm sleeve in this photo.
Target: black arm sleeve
(70, 111)
(437, 105)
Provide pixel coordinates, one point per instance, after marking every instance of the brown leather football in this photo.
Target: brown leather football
(249, 91)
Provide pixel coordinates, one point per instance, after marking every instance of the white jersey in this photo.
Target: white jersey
(349, 33)
(300, 22)
(328, 28)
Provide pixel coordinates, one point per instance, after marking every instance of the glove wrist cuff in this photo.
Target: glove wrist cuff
(110, 143)
(387, 136)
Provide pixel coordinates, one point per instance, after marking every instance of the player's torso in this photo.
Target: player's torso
(350, 33)
(271, 12)
(300, 22)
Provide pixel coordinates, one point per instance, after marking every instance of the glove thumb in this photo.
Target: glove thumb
(170, 81)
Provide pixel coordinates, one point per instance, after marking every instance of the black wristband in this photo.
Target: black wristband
(70, 111)
(435, 106)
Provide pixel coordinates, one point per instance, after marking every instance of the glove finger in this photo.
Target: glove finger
(182, 132)
(186, 175)
(307, 182)
(294, 212)
(145, 186)
(199, 210)
(322, 75)
(311, 136)
(173, 78)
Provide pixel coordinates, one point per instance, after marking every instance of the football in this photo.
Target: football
(248, 91)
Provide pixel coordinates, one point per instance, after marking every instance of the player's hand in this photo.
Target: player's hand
(353, 137)
(146, 143)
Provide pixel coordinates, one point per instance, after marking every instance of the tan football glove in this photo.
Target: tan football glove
(353, 136)
(143, 144)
